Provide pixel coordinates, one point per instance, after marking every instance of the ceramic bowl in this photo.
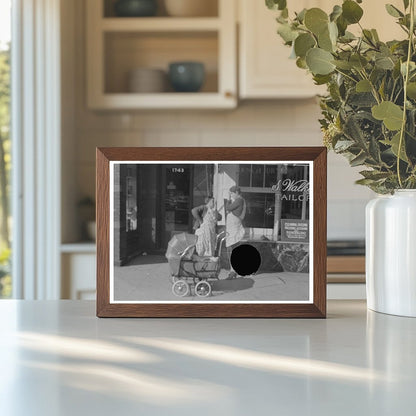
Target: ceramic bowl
(147, 80)
(135, 8)
(186, 76)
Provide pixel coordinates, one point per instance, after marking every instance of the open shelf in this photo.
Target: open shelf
(119, 45)
(80, 247)
(127, 51)
(160, 24)
(167, 100)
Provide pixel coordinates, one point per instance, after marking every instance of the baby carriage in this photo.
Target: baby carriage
(190, 271)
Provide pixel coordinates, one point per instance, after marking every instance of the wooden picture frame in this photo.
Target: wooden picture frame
(146, 196)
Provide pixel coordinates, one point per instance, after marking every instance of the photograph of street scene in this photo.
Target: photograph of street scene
(210, 232)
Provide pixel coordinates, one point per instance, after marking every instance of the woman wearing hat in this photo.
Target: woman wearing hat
(236, 211)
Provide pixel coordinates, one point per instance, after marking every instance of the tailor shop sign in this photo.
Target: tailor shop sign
(295, 231)
(292, 190)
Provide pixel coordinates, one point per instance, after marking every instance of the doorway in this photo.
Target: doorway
(177, 194)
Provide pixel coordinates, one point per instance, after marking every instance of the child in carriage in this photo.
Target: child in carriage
(206, 217)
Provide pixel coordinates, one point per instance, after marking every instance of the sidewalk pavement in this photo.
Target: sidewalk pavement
(148, 278)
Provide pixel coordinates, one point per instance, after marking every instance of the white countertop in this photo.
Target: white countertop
(57, 358)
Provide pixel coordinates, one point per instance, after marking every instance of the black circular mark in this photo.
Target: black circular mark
(245, 259)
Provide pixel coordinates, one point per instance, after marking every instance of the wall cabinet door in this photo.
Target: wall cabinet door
(265, 68)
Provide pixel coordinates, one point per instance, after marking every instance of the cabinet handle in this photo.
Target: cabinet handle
(229, 94)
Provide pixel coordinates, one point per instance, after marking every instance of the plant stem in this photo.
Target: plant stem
(373, 88)
(406, 79)
(346, 75)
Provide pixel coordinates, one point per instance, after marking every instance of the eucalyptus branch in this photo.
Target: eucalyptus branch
(406, 79)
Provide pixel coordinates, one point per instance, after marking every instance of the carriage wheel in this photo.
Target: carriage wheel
(174, 279)
(180, 288)
(203, 289)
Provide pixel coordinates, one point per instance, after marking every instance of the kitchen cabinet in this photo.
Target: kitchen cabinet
(78, 263)
(346, 277)
(265, 70)
(118, 45)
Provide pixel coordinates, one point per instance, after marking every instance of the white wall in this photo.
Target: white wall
(255, 123)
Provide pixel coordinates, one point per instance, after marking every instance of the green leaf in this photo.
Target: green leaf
(375, 35)
(347, 37)
(388, 112)
(411, 90)
(365, 182)
(301, 63)
(354, 132)
(406, 4)
(276, 4)
(394, 144)
(368, 36)
(336, 12)
(363, 86)
(343, 145)
(359, 160)
(358, 61)
(303, 43)
(287, 33)
(405, 21)
(325, 42)
(319, 61)
(362, 99)
(301, 15)
(393, 11)
(374, 174)
(321, 79)
(316, 20)
(384, 62)
(282, 20)
(351, 11)
(345, 65)
(333, 32)
(412, 67)
(374, 150)
(342, 25)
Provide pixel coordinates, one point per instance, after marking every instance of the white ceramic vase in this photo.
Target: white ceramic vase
(391, 253)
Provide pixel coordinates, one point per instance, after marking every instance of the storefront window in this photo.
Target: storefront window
(244, 178)
(257, 176)
(260, 209)
(272, 193)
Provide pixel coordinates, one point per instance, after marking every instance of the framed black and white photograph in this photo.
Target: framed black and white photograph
(225, 232)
